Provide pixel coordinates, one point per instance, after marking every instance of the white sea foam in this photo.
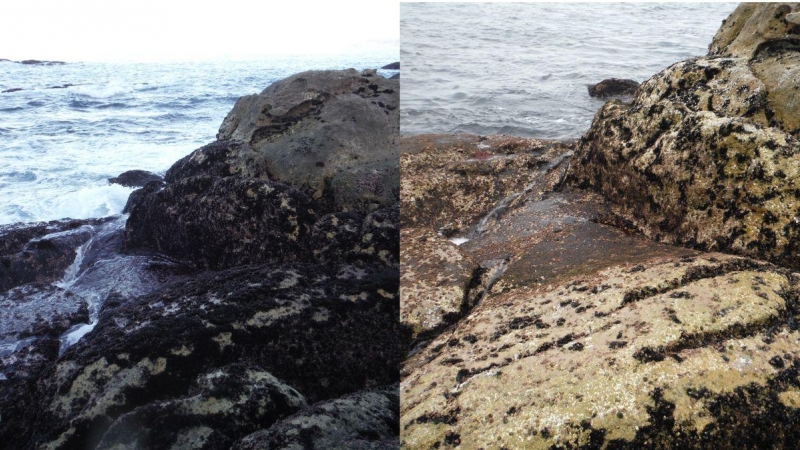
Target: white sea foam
(73, 335)
(106, 90)
(94, 201)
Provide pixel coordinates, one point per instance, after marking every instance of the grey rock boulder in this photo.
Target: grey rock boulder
(331, 134)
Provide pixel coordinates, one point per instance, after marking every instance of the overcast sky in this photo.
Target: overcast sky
(158, 30)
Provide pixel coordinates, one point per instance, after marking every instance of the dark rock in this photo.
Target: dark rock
(294, 311)
(220, 159)
(360, 421)
(21, 371)
(137, 195)
(135, 178)
(63, 86)
(392, 66)
(331, 134)
(41, 252)
(221, 222)
(395, 77)
(613, 88)
(323, 332)
(230, 401)
(12, 90)
(36, 62)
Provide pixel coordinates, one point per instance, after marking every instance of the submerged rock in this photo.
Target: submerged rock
(613, 88)
(134, 178)
(36, 62)
(707, 153)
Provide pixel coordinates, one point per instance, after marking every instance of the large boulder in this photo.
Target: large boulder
(707, 154)
(331, 134)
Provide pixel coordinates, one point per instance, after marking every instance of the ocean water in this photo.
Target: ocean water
(523, 69)
(58, 147)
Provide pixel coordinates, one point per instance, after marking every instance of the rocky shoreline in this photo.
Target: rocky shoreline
(250, 299)
(635, 288)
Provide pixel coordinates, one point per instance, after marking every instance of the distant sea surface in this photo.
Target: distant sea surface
(58, 147)
(523, 69)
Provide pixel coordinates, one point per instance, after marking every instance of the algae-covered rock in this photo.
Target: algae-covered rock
(437, 280)
(661, 354)
(450, 182)
(213, 222)
(752, 25)
(320, 332)
(227, 402)
(707, 153)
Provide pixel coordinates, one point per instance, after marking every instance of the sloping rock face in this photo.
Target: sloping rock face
(707, 154)
(229, 301)
(332, 135)
(688, 352)
(591, 336)
(438, 281)
(460, 186)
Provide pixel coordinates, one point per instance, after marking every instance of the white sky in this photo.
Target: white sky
(158, 30)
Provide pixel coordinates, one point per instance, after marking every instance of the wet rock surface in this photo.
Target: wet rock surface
(41, 252)
(228, 301)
